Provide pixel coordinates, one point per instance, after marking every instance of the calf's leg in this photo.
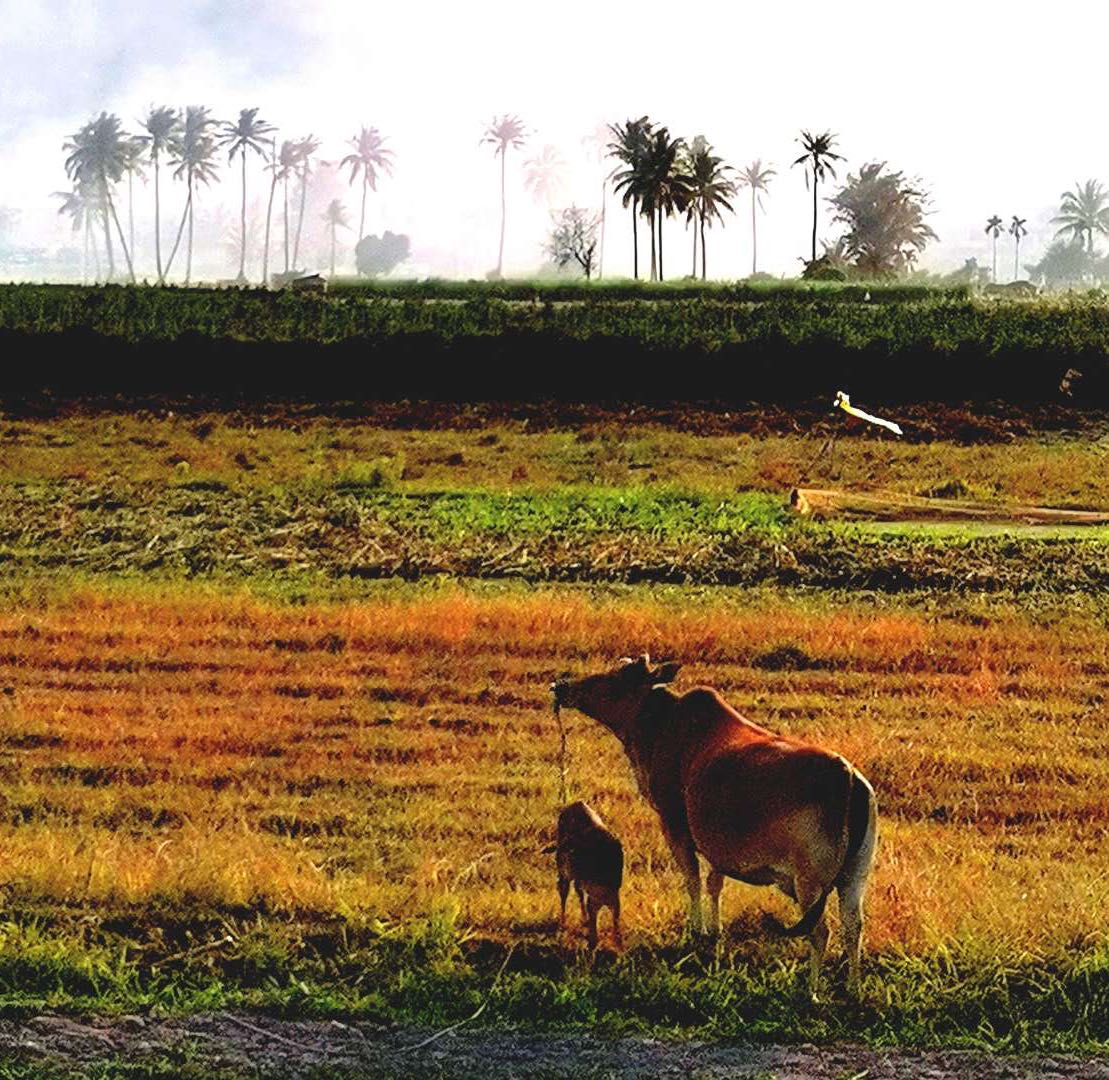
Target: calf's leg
(563, 893)
(714, 883)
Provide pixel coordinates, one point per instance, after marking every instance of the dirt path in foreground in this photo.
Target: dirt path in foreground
(293, 1048)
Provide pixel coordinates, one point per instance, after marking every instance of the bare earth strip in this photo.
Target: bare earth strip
(294, 1048)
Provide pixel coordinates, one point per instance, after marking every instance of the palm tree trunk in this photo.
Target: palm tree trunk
(654, 257)
(754, 237)
(131, 214)
(90, 232)
(269, 218)
(85, 255)
(285, 222)
(635, 238)
(994, 271)
(1016, 259)
(362, 215)
(242, 226)
(661, 218)
(189, 249)
(122, 241)
(300, 215)
(694, 272)
(500, 250)
(704, 272)
(157, 220)
(107, 232)
(601, 246)
(180, 228)
(333, 249)
(814, 186)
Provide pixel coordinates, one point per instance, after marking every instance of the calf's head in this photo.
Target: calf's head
(614, 698)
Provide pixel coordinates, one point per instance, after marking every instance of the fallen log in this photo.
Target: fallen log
(822, 503)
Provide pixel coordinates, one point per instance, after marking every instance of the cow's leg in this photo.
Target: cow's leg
(563, 893)
(808, 892)
(581, 900)
(685, 855)
(714, 883)
(617, 936)
(852, 892)
(592, 907)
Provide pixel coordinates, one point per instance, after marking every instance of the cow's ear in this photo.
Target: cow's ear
(637, 670)
(666, 672)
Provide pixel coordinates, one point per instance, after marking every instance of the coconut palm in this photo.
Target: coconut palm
(134, 150)
(97, 157)
(305, 148)
(596, 149)
(757, 178)
(285, 167)
(194, 161)
(370, 155)
(274, 171)
(628, 147)
(666, 188)
(247, 133)
(817, 160)
(709, 190)
(993, 228)
(503, 134)
(80, 205)
(1083, 212)
(544, 176)
(1017, 231)
(336, 217)
(162, 126)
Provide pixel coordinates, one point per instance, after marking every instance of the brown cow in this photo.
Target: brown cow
(760, 808)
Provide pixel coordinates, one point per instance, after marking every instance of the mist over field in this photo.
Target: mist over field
(985, 112)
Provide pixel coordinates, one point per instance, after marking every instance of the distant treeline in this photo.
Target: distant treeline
(258, 345)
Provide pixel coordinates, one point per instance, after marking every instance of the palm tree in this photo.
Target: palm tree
(993, 228)
(305, 148)
(370, 155)
(162, 126)
(274, 171)
(596, 147)
(194, 160)
(246, 134)
(629, 146)
(504, 133)
(1083, 212)
(817, 159)
(709, 191)
(336, 217)
(545, 176)
(1016, 231)
(97, 157)
(133, 152)
(80, 205)
(757, 178)
(285, 167)
(666, 188)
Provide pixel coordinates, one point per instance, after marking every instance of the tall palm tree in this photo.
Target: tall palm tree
(97, 157)
(134, 150)
(503, 134)
(336, 217)
(194, 161)
(596, 148)
(247, 133)
(370, 155)
(757, 178)
(162, 126)
(274, 172)
(993, 228)
(1083, 212)
(305, 148)
(629, 147)
(286, 167)
(666, 190)
(80, 206)
(544, 176)
(709, 190)
(817, 160)
(1017, 231)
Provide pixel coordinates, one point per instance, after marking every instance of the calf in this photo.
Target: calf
(758, 807)
(591, 859)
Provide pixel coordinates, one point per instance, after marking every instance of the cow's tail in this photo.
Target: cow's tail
(808, 922)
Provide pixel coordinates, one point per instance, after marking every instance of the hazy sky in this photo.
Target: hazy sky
(995, 111)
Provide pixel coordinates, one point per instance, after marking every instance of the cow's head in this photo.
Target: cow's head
(614, 698)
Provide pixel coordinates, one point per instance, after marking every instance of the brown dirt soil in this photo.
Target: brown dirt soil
(923, 422)
(270, 1047)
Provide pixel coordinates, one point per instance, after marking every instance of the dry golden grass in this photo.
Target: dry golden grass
(144, 449)
(387, 756)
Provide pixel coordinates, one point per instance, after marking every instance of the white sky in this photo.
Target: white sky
(996, 107)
